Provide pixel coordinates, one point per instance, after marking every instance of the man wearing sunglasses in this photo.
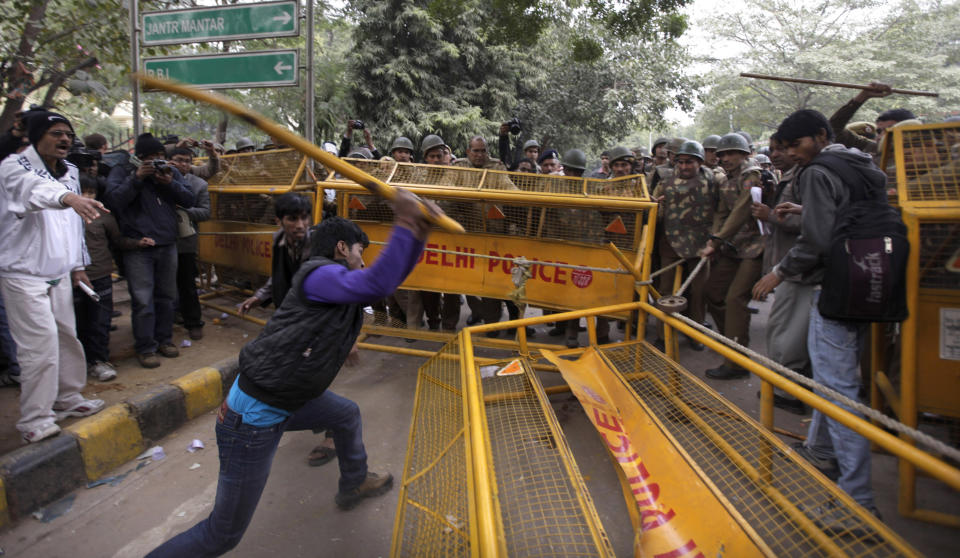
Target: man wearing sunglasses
(42, 260)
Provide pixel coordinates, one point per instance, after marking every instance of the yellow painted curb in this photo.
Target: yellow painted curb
(107, 440)
(202, 390)
(4, 512)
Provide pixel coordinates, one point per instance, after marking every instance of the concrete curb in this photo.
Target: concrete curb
(38, 474)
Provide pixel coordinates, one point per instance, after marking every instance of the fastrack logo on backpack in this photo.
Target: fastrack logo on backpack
(872, 263)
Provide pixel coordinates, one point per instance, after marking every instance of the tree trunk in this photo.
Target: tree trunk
(31, 31)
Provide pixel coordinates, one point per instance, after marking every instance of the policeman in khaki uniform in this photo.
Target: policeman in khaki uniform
(688, 202)
(737, 244)
(710, 159)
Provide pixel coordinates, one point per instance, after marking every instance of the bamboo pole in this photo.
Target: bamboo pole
(836, 84)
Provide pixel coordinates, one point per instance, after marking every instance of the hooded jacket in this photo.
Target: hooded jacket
(39, 243)
(822, 193)
(145, 207)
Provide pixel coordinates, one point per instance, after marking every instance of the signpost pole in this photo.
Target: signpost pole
(135, 64)
(310, 131)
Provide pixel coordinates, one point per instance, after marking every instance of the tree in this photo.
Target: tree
(56, 44)
(912, 44)
(424, 67)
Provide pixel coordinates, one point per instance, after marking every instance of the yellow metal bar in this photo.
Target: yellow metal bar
(296, 175)
(932, 516)
(907, 497)
(884, 387)
(491, 542)
(518, 197)
(624, 261)
(935, 467)
(766, 405)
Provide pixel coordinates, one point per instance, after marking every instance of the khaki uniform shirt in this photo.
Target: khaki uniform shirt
(733, 221)
(687, 211)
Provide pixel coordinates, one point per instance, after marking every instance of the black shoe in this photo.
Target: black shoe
(116, 314)
(493, 334)
(724, 372)
(531, 332)
(473, 319)
(373, 485)
(829, 467)
(573, 343)
(694, 344)
(557, 331)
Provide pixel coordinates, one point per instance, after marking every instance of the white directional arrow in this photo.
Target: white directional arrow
(283, 18)
(281, 67)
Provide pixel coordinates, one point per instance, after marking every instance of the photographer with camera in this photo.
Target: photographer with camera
(345, 144)
(144, 199)
(512, 126)
(208, 169)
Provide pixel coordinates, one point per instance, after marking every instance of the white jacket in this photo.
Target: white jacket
(41, 238)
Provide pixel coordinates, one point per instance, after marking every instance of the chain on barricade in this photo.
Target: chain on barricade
(519, 274)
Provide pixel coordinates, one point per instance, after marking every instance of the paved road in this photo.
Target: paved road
(297, 516)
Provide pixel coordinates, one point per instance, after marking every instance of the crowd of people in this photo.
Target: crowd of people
(762, 217)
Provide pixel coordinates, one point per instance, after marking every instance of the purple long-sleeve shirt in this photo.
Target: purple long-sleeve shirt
(335, 284)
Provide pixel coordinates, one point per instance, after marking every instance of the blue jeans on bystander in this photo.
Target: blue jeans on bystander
(834, 348)
(152, 281)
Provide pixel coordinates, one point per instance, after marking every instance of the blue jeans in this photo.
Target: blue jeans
(7, 345)
(246, 453)
(152, 281)
(93, 319)
(834, 349)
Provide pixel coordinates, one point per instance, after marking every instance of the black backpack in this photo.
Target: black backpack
(866, 266)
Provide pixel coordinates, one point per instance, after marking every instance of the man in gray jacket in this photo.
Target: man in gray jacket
(834, 345)
(187, 237)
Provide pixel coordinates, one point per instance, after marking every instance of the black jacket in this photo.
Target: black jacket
(302, 347)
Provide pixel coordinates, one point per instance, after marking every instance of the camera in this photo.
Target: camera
(515, 125)
(358, 125)
(161, 165)
(82, 157)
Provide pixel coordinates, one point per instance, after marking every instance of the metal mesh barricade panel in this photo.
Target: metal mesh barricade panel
(923, 163)
(589, 226)
(433, 518)
(788, 506)
(939, 246)
(275, 168)
(543, 503)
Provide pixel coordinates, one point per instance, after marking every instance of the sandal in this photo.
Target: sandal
(321, 455)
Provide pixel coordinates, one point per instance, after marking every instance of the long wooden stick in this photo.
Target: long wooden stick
(836, 84)
(277, 131)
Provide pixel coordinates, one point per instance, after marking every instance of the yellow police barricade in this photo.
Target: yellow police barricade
(238, 237)
(488, 471)
(923, 165)
(549, 241)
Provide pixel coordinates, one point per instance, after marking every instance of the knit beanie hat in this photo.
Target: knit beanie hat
(147, 145)
(39, 121)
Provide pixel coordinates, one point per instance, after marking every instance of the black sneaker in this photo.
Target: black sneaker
(373, 485)
(829, 466)
(694, 344)
(724, 372)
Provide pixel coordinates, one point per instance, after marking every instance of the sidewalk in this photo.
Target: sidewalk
(142, 407)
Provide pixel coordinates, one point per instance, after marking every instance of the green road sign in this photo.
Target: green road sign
(222, 23)
(262, 68)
